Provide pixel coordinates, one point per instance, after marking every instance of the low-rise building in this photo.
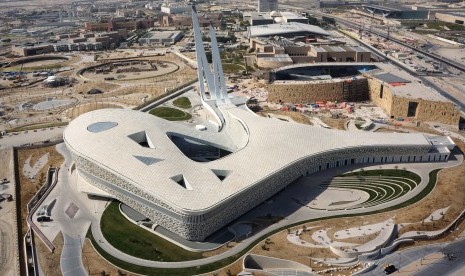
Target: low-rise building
(274, 53)
(31, 50)
(161, 38)
(174, 8)
(399, 94)
(185, 21)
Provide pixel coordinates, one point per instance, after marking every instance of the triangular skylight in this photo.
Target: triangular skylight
(182, 181)
(147, 160)
(221, 174)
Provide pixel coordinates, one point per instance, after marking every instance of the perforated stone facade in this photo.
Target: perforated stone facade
(201, 225)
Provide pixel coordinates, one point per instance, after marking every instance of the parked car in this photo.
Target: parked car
(43, 219)
(388, 269)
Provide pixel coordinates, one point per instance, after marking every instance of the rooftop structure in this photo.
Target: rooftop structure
(147, 167)
(173, 8)
(400, 94)
(298, 51)
(164, 37)
(397, 11)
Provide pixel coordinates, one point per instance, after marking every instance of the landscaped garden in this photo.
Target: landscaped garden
(170, 114)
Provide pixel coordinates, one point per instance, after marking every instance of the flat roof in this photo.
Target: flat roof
(291, 15)
(279, 57)
(162, 34)
(260, 16)
(400, 82)
(405, 85)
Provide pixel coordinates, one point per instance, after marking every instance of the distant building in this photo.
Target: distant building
(174, 8)
(274, 53)
(161, 38)
(31, 50)
(397, 11)
(113, 24)
(399, 94)
(257, 19)
(267, 5)
(183, 21)
(289, 17)
(286, 30)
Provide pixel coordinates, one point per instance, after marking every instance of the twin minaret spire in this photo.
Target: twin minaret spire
(214, 80)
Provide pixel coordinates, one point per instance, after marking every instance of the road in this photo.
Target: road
(442, 266)
(23, 137)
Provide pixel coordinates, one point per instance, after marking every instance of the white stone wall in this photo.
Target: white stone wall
(198, 227)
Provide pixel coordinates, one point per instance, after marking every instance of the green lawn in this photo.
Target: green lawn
(170, 114)
(232, 68)
(182, 102)
(398, 173)
(136, 241)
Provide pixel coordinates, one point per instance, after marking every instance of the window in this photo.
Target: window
(412, 109)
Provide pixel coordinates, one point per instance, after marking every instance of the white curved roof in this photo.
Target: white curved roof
(285, 28)
(272, 145)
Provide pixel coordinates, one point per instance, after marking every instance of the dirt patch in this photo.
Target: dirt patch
(233, 269)
(28, 187)
(295, 116)
(84, 108)
(50, 262)
(84, 87)
(334, 123)
(96, 265)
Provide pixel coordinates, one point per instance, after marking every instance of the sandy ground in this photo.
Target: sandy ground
(293, 116)
(50, 262)
(455, 86)
(43, 63)
(30, 171)
(453, 53)
(81, 109)
(95, 264)
(28, 187)
(9, 261)
(170, 67)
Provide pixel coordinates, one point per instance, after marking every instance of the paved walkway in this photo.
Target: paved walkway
(22, 138)
(431, 263)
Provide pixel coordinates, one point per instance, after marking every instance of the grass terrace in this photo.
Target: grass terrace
(136, 241)
(170, 114)
(381, 185)
(182, 102)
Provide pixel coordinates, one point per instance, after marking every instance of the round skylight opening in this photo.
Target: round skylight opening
(101, 126)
